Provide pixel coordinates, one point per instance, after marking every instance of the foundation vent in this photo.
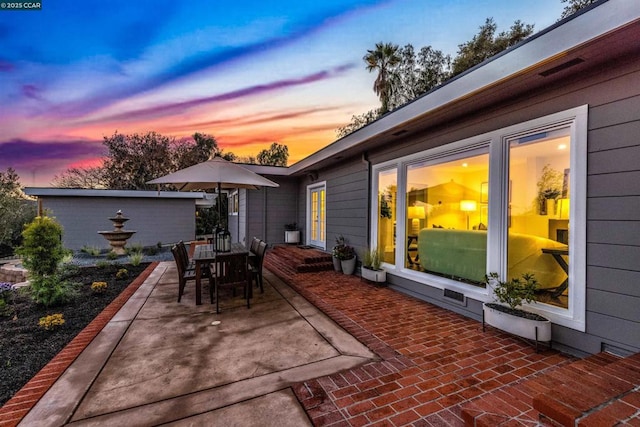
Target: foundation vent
(455, 297)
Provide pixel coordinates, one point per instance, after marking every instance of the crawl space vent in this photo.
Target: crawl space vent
(455, 297)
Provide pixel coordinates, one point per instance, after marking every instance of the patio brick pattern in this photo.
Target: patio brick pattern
(21, 403)
(437, 368)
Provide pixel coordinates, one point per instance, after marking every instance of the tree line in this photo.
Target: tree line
(404, 74)
(132, 160)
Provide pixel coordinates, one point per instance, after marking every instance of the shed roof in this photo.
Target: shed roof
(78, 192)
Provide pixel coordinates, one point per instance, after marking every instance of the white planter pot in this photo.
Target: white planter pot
(292, 236)
(348, 265)
(538, 330)
(379, 276)
(337, 265)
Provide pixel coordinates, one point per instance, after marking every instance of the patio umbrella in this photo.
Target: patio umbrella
(215, 173)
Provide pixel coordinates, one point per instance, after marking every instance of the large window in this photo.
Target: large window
(511, 201)
(446, 217)
(539, 171)
(387, 181)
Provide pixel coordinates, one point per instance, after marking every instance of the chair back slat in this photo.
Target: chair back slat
(233, 268)
(175, 251)
(254, 245)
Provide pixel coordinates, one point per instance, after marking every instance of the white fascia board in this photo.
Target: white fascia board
(540, 48)
(77, 192)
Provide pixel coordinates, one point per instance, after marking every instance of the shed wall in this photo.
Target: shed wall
(154, 220)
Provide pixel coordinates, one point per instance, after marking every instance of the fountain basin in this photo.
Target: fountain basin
(117, 240)
(117, 237)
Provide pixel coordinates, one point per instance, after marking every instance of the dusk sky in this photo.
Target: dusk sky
(247, 72)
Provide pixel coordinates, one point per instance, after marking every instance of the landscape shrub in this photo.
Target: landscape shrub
(41, 248)
(136, 248)
(102, 263)
(51, 290)
(91, 250)
(112, 256)
(51, 321)
(122, 274)
(6, 297)
(135, 258)
(99, 287)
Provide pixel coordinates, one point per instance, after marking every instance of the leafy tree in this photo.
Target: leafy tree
(16, 210)
(135, 159)
(81, 178)
(574, 6)
(188, 154)
(417, 74)
(486, 44)
(434, 68)
(357, 122)
(276, 155)
(383, 59)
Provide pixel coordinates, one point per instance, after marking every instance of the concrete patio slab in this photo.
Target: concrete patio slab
(161, 361)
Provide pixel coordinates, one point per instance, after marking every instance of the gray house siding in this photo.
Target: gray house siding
(347, 202)
(276, 206)
(154, 220)
(613, 195)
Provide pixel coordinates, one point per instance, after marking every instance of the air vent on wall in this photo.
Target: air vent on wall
(455, 297)
(561, 67)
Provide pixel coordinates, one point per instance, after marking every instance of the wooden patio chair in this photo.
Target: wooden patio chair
(232, 270)
(184, 272)
(256, 267)
(185, 255)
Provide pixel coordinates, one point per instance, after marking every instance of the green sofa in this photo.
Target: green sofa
(463, 254)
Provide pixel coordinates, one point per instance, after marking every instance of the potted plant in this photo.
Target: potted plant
(336, 253)
(346, 256)
(507, 315)
(371, 270)
(291, 233)
(549, 189)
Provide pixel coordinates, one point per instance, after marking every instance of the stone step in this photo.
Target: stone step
(585, 397)
(299, 260)
(586, 393)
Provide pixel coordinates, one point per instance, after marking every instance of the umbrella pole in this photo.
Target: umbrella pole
(219, 205)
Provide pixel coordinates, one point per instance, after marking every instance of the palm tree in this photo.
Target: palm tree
(383, 58)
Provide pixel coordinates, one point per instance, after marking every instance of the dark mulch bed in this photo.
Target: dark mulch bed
(25, 347)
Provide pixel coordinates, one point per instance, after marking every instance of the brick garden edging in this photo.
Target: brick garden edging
(21, 403)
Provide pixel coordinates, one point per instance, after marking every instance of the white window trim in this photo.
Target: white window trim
(230, 200)
(576, 120)
(310, 188)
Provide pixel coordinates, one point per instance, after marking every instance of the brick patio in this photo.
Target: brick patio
(437, 368)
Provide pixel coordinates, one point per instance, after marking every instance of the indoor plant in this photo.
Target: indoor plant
(291, 233)
(549, 188)
(371, 269)
(507, 315)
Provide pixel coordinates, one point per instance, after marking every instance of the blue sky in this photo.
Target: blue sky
(249, 73)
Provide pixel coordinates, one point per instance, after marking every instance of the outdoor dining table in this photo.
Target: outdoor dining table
(206, 254)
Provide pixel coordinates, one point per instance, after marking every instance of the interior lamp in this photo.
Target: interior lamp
(468, 206)
(415, 214)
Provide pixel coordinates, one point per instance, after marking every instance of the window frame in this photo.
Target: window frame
(496, 143)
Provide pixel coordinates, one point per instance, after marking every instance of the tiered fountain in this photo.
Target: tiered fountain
(118, 237)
